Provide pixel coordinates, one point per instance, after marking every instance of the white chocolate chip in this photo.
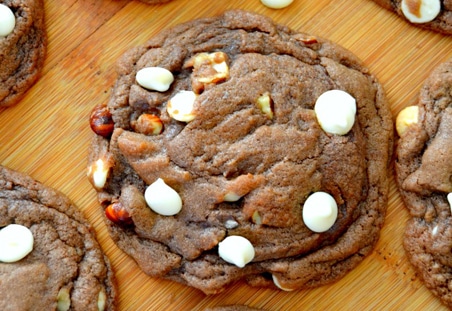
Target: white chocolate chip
(236, 250)
(155, 78)
(421, 11)
(63, 299)
(163, 199)
(320, 212)
(7, 20)
(180, 106)
(276, 282)
(101, 300)
(276, 4)
(16, 242)
(335, 111)
(406, 117)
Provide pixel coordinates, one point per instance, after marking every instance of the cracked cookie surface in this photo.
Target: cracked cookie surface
(66, 266)
(424, 171)
(233, 133)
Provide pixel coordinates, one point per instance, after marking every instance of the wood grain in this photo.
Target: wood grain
(47, 134)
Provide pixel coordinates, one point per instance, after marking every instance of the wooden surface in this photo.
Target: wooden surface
(47, 134)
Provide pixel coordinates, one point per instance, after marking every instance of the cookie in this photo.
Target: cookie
(435, 15)
(424, 170)
(23, 43)
(49, 256)
(219, 139)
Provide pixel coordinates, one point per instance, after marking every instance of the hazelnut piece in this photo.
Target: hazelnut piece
(63, 299)
(148, 124)
(208, 69)
(101, 300)
(406, 117)
(98, 171)
(118, 214)
(101, 121)
(265, 104)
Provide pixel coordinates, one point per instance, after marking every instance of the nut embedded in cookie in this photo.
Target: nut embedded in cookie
(423, 170)
(48, 251)
(243, 147)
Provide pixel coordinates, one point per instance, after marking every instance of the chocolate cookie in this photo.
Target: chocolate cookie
(49, 256)
(23, 44)
(433, 15)
(220, 138)
(424, 171)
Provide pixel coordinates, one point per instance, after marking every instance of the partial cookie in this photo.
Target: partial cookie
(424, 170)
(49, 256)
(23, 44)
(220, 138)
(433, 15)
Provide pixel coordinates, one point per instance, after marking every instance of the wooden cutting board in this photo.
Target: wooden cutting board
(47, 134)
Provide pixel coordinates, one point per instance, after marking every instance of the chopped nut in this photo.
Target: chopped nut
(307, 39)
(101, 300)
(265, 104)
(101, 121)
(257, 219)
(241, 186)
(231, 197)
(208, 69)
(63, 299)
(406, 117)
(278, 284)
(180, 106)
(98, 173)
(118, 214)
(413, 7)
(148, 124)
